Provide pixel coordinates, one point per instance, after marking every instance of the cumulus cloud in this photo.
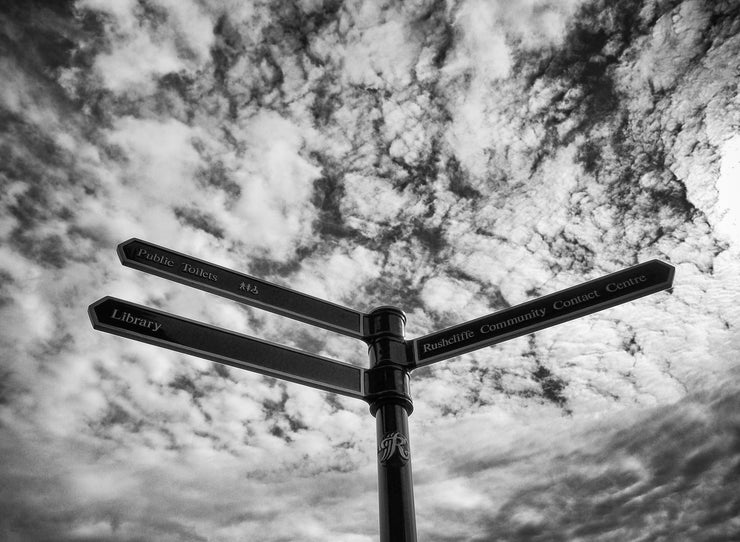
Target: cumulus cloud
(147, 41)
(728, 223)
(276, 186)
(441, 294)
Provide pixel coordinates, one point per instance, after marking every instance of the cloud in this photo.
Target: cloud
(277, 184)
(369, 203)
(494, 33)
(484, 42)
(337, 275)
(674, 42)
(124, 70)
(440, 294)
(617, 478)
(160, 151)
(728, 223)
(371, 64)
(628, 496)
(149, 41)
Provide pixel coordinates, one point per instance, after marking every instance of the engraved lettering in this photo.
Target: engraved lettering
(456, 338)
(161, 259)
(393, 444)
(534, 313)
(616, 286)
(198, 272)
(572, 302)
(129, 318)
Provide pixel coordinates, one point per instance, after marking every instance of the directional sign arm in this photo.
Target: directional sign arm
(620, 287)
(240, 287)
(159, 328)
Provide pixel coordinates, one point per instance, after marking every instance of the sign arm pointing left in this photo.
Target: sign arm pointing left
(241, 287)
(166, 330)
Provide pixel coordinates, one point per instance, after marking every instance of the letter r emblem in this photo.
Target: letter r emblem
(393, 444)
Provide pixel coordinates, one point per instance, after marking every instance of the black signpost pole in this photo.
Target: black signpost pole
(387, 392)
(385, 385)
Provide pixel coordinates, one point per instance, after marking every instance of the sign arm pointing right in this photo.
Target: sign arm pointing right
(631, 283)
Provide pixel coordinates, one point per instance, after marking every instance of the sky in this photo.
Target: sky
(448, 158)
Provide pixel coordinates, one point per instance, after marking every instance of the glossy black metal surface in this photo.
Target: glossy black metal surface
(390, 402)
(240, 287)
(596, 295)
(159, 328)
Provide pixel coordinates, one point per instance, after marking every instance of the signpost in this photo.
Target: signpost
(385, 385)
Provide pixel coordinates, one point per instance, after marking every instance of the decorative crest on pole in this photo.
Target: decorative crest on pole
(393, 444)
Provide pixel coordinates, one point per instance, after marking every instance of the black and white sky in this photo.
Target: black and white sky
(452, 158)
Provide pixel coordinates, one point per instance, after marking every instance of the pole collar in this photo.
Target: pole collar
(388, 384)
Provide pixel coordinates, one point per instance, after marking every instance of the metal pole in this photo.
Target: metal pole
(387, 388)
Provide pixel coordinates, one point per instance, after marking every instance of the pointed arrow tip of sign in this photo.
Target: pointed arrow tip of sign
(671, 274)
(91, 312)
(129, 241)
(670, 271)
(120, 249)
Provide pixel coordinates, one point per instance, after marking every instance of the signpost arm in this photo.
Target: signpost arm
(592, 296)
(387, 392)
(165, 330)
(240, 287)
